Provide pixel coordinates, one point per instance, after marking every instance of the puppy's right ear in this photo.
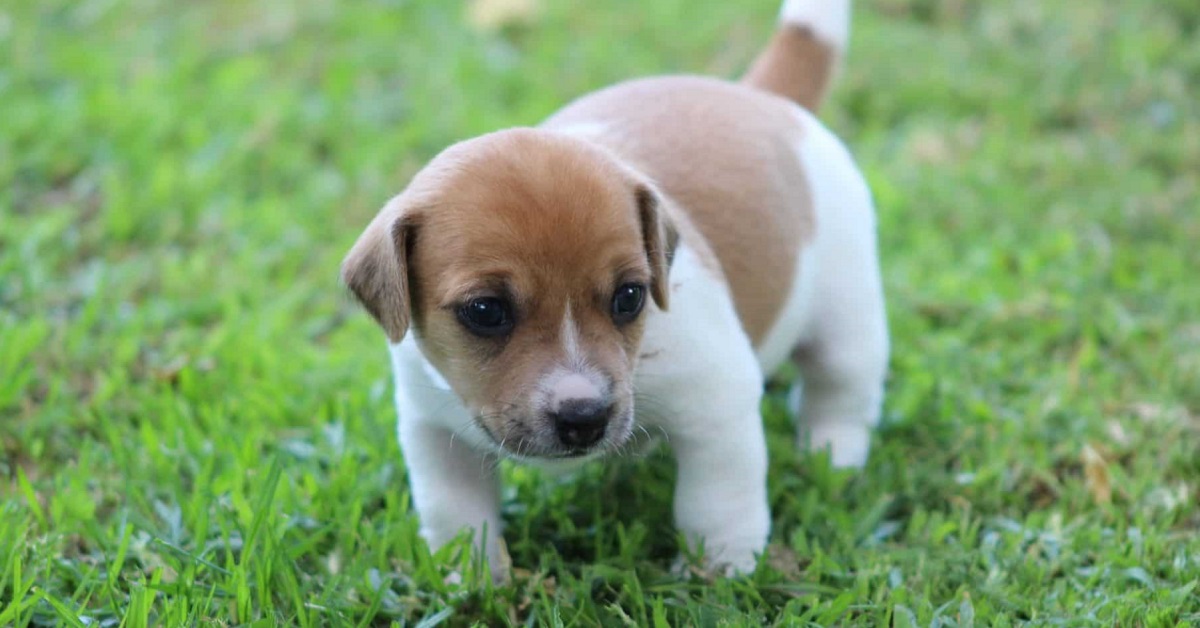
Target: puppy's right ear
(660, 239)
(376, 269)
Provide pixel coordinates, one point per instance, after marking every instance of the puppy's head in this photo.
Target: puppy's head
(523, 261)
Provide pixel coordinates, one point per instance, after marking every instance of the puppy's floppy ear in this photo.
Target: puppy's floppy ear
(659, 238)
(376, 269)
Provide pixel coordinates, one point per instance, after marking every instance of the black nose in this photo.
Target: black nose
(581, 422)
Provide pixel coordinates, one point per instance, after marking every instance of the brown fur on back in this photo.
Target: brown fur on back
(726, 155)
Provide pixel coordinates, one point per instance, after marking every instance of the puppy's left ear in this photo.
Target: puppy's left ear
(660, 238)
(376, 269)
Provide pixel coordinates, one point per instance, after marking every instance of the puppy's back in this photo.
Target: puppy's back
(728, 153)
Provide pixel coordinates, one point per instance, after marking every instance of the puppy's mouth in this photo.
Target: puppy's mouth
(529, 440)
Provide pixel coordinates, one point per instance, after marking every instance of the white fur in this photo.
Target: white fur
(835, 310)
(829, 19)
(575, 379)
(453, 482)
(586, 130)
(570, 336)
(706, 388)
(565, 386)
(844, 341)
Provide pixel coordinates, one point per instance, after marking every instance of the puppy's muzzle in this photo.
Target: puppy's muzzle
(580, 423)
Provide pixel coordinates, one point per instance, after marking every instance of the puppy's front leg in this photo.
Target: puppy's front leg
(454, 487)
(721, 494)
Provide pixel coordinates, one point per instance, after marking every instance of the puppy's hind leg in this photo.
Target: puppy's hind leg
(843, 359)
(839, 395)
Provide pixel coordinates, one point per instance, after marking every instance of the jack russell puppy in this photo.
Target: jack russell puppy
(633, 267)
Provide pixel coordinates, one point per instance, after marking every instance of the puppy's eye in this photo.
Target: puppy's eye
(627, 302)
(486, 316)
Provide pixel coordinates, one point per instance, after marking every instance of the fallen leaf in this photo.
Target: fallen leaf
(1095, 471)
(493, 15)
(784, 560)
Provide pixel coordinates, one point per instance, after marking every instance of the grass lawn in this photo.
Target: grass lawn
(195, 419)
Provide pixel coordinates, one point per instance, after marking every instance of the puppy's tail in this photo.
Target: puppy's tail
(805, 52)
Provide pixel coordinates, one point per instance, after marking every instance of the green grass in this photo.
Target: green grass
(195, 423)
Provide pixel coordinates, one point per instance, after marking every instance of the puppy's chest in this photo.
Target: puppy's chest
(701, 341)
(696, 337)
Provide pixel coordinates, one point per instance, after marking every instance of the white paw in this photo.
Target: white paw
(848, 444)
(493, 548)
(733, 563)
(737, 564)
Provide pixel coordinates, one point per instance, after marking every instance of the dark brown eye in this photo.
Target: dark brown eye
(627, 302)
(486, 316)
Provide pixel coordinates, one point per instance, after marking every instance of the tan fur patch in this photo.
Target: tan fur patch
(796, 64)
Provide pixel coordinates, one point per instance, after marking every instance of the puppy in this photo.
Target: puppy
(632, 267)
